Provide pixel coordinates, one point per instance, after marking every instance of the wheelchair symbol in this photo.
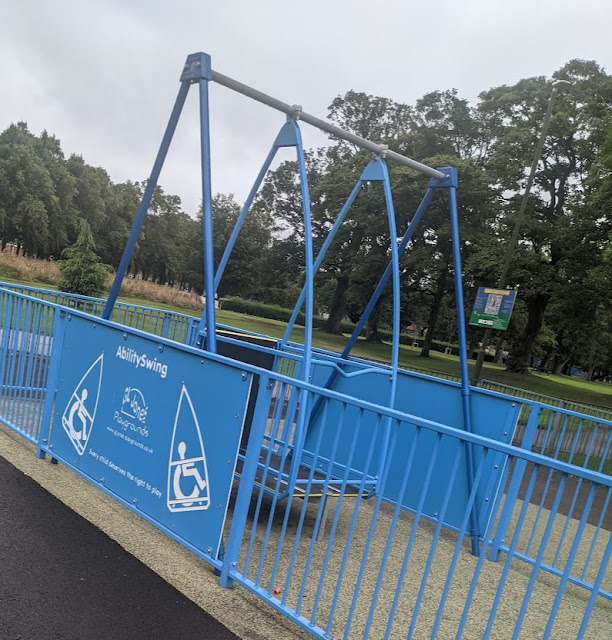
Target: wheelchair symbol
(188, 488)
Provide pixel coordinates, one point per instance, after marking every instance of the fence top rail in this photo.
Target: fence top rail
(538, 397)
(293, 111)
(28, 298)
(568, 412)
(19, 289)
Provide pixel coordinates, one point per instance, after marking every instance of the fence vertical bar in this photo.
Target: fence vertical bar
(596, 587)
(247, 480)
(538, 559)
(31, 370)
(569, 562)
(515, 482)
(59, 323)
(7, 309)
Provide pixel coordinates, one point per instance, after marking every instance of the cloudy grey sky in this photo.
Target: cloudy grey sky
(102, 75)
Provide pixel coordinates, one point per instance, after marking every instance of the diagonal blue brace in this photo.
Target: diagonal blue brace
(146, 199)
(286, 138)
(372, 172)
(197, 69)
(382, 284)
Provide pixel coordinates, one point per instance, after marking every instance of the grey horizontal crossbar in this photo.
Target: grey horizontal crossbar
(293, 111)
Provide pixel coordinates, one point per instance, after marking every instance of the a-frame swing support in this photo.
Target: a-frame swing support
(198, 70)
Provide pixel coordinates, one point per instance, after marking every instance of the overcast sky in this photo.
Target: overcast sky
(102, 75)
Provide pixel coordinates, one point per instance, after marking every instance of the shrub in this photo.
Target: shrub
(81, 269)
(17, 267)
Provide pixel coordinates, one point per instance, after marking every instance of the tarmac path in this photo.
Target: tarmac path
(64, 579)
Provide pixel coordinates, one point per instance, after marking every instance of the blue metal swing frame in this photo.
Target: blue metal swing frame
(198, 71)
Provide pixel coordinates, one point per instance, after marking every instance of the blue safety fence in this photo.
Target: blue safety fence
(588, 409)
(315, 529)
(344, 561)
(167, 324)
(26, 343)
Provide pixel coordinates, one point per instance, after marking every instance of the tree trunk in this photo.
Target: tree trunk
(522, 344)
(499, 351)
(434, 312)
(372, 324)
(473, 345)
(338, 306)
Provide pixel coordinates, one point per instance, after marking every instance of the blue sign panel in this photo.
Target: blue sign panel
(156, 425)
(493, 417)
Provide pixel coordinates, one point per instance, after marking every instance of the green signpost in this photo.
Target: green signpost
(493, 308)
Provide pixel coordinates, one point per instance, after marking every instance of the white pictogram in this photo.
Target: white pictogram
(188, 488)
(80, 412)
(134, 405)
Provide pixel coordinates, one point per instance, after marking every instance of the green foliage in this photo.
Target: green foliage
(8, 272)
(561, 267)
(81, 270)
(274, 312)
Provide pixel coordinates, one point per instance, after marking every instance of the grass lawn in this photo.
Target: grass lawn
(593, 462)
(556, 386)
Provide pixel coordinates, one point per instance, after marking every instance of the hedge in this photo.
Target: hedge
(274, 312)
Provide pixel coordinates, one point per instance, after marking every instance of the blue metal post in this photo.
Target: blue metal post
(387, 274)
(146, 198)
(396, 314)
(309, 258)
(243, 213)
(396, 282)
(328, 240)
(59, 324)
(207, 222)
(465, 383)
(247, 481)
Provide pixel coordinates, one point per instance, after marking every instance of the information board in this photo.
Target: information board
(493, 308)
(157, 425)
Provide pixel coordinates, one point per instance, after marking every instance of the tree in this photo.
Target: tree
(558, 214)
(81, 270)
(242, 275)
(36, 192)
(25, 188)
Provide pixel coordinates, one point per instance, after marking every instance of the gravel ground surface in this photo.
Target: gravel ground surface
(251, 619)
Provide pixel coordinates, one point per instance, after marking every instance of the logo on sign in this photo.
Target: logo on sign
(188, 488)
(134, 405)
(80, 412)
(133, 412)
